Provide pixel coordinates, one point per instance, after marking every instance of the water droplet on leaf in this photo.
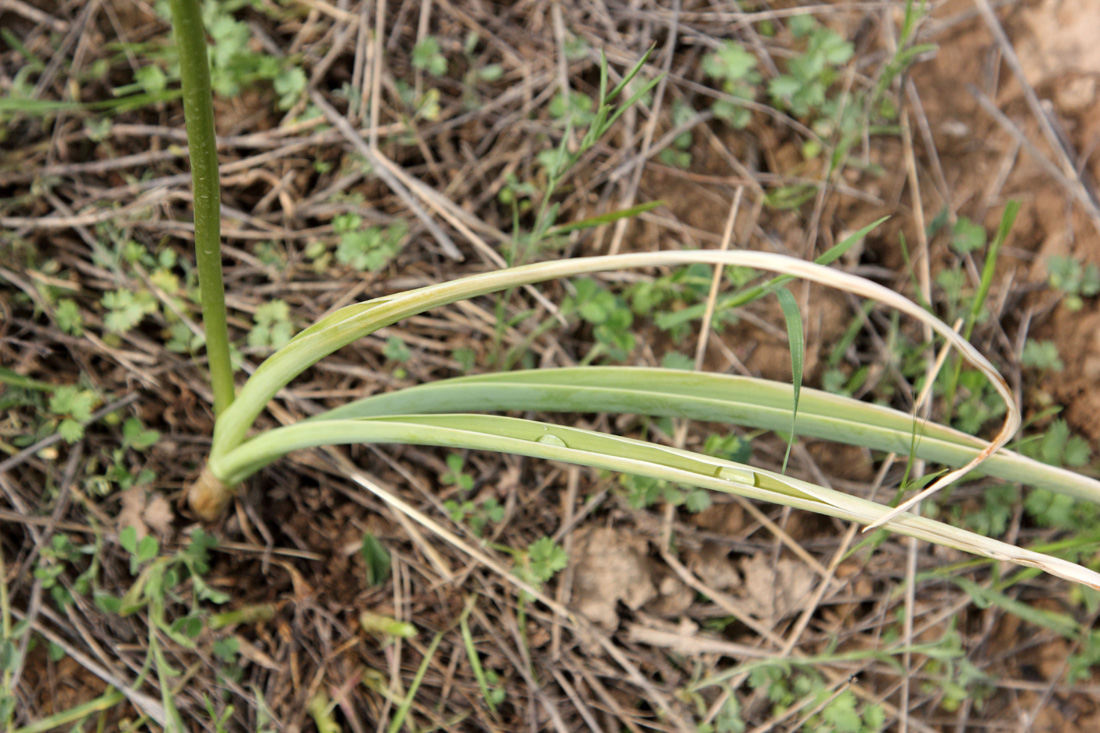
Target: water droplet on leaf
(551, 439)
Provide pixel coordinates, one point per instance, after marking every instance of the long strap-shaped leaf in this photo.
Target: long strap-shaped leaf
(747, 401)
(584, 447)
(353, 322)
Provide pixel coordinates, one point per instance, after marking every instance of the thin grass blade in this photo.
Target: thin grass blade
(798, 355)
(607, 218)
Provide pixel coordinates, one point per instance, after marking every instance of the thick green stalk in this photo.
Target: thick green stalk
(198, 109)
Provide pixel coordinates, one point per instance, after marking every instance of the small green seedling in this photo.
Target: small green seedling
(126, 309)
(967, 236)
(272, 327)
(74, 406)
(396, 350)
(1077, 281)
(55, 560)
(69, 318)
(376, 558)
(367, 249)
(735, 68)
(802, 90)
(427, 56)
(542, 560)
(455, 476)
(608, 313)
(1041, 355)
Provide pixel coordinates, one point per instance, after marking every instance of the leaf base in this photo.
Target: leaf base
(209, 496)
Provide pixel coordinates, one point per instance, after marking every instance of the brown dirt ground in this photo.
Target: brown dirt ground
(292, 540)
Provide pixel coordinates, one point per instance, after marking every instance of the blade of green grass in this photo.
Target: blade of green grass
(1060, 623)
(406, 704)
(472, 655)
(13, 378)
(1008, 218)
(49, 106)
(798, 354)
(607, 218)
(75, 714)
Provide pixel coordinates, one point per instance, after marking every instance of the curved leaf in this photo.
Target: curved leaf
(353, 322)
(584, 447)
(747, 401)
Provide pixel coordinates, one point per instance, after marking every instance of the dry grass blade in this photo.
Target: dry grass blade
(485, 559)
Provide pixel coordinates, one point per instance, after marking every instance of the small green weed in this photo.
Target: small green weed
(428, 57)
(998, 504)
(455, 475)
(62, 555)
(367, 249)
(477, 515)
(376, 559)
(607, 313)
(541, 561)
(396, 350)
(496, 692)
(967, 236)
(786, 686)
(735, 68)
(127, 308)
(977, 403)
(802, 89)
(1041, 355)
(123, 470)
(180, 339)
(272, 327)
(1076, 281)
(576, 47)
(69, 318)
(73, 406)
(958, 681)
(424, 106)
(643, 491)
(576, 110)
(1059, 446)
(234, 65)
(728, 719)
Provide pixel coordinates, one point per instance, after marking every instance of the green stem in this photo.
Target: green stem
(198, 111)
